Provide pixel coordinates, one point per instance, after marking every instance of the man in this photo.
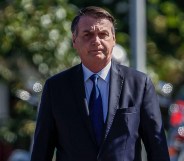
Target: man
(98, 110)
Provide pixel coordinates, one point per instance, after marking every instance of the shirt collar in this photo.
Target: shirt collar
(104, 73)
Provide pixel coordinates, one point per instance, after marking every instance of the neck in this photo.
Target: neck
(96, 68)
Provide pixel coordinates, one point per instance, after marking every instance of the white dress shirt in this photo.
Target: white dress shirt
(103, 84)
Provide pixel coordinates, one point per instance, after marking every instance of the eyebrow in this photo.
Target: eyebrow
(89, 30)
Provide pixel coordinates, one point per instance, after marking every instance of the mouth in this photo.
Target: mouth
(96, 51)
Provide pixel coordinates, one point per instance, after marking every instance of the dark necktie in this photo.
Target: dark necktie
(96, 109)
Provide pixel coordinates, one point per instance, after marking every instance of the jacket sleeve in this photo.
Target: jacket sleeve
(151, 129)
(44, 137)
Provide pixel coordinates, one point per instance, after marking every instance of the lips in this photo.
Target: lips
(96, 50)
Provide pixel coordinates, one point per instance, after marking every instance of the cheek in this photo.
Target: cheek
(82, 50)
(109, 46)
(77, 45)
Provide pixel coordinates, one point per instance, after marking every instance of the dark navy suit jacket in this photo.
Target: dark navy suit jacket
(133, 114)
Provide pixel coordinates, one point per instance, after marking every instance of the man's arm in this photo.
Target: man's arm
(151, 130)
(44, 138)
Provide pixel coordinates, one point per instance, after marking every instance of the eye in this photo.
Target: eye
(86, 34)
(103, 35)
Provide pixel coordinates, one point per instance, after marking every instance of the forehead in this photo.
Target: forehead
(90, 23)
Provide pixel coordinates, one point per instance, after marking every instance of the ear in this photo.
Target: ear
(114, 38)
(73, 40)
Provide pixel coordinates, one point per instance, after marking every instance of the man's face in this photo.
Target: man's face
(94, 41)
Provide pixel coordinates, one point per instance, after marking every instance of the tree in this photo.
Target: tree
(34, 44)
(165, 39)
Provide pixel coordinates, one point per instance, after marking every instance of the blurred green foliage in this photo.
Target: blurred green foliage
(40, 33)
(35, 43)
(165, 39)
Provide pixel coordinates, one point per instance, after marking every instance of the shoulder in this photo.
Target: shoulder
(65, 75)
(128, 72)
(134, 78)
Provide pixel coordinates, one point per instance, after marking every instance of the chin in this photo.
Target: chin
(100, 57)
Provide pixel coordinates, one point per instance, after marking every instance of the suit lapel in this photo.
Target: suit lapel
(116, 83)
(77, 81)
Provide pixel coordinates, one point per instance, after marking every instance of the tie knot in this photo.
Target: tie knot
(94, 78)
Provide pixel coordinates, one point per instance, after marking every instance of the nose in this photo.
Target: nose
(96, 41)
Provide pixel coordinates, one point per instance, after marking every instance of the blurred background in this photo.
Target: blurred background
(35, 43)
